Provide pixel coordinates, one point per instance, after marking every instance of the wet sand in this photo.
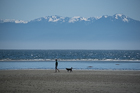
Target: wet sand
(78, 81)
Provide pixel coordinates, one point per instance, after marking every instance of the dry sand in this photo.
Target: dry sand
(78, 81)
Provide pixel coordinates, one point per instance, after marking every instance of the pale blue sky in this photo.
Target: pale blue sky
(30, 9)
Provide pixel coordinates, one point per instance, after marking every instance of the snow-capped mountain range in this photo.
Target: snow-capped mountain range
(104, 31)
(78, 18)
(61, 19)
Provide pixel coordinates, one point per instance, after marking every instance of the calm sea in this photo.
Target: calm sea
(78, 59)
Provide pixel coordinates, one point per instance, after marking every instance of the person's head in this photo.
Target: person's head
(55, 59)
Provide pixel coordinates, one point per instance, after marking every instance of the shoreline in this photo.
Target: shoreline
(77, 65)
(78, 81)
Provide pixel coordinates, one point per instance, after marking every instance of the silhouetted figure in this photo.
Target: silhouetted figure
(56, 64)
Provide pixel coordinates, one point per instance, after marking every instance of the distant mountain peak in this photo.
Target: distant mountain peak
(121, 16)
(12, 21)
(77, 18)
(105, 16)
(53, 18)
(118, 15)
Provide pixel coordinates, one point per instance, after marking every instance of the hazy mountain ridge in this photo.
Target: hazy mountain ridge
(116, 28)
(74, 19)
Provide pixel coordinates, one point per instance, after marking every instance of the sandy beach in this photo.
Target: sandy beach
(78, 81)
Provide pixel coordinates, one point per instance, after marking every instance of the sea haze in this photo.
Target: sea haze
(57, 32)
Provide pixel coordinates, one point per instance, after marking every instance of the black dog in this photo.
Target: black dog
(69, 69)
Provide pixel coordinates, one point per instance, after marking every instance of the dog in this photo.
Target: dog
(69, 69)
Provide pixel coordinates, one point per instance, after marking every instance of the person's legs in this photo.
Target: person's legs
(58, 70)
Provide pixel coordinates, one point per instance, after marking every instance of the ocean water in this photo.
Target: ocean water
(78, 59)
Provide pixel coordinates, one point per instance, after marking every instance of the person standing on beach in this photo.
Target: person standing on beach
(56, 64)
